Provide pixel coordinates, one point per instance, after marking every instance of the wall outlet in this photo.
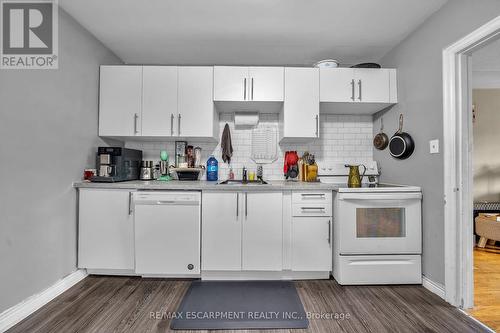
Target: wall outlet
(434, 146)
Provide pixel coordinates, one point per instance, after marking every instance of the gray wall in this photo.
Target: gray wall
(486, 138)
(419, 62)
(48, 134)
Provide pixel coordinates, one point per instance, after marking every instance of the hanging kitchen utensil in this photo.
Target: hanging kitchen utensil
(401, 145)
(381, 140)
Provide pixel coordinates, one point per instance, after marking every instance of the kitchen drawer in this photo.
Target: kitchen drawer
(378, 269)
(312, 197)
(312, 209)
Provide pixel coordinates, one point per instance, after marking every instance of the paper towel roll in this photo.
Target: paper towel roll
(246, 119)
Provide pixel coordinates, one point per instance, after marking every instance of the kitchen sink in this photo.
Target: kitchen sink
(241, 182)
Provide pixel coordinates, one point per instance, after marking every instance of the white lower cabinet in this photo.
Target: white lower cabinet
(221, 231)
(311, 231)
(262, 236)
(106, 229)
(242, 231)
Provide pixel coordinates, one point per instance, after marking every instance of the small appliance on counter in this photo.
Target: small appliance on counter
(117, 164)
(187, 173)
(147, 170)
(164, 167)
(291, 167)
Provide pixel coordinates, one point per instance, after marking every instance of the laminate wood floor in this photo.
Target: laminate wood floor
(125, 304)
(487, 287)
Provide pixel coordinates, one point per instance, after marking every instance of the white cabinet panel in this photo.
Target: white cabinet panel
(266, 84)
(373, 85)
(311, 244)
(120, 99)
(159, 100)
(301, 105)
(221, 231)
(106, 229)
(262, 241)
(230, 83)
(167, 239)
(337, 85)
(196, 108)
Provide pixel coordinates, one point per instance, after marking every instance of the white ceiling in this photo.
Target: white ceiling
(486, 66)
(254, 32)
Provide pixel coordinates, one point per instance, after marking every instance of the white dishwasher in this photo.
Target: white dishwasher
(167, 233)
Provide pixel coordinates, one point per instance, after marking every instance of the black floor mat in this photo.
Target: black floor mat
(211, 305)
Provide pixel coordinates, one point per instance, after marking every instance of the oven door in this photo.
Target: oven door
(379, 223)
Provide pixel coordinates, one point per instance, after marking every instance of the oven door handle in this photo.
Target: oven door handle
(381, 196)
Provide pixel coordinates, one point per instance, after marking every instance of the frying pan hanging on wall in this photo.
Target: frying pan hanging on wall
(401, 145)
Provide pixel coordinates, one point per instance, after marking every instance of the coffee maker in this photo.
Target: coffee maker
(117, 164)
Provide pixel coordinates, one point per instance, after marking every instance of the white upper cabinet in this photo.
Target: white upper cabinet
(357, 90)
(196, 112)
(337, 85)
(373, 85)
(159, 100)
(266, 84)
(120, 100)
(230, 83)
(300, 117)
(246, 84)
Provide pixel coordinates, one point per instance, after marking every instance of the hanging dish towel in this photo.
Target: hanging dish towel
(226, 145)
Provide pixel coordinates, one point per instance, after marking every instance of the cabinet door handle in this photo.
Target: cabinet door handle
(352, 90)
(359, 85)
(237, 204)
(130, 203)
(136, 116)
(172, 124)
(179, 124)
(245, 89)
(246, 204)
(321, 195)
(317, 126)
(329, 231)
(252, 89)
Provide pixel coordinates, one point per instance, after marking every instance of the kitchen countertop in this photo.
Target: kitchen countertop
(202, 185)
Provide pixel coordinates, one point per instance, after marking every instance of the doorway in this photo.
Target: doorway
(459, 162)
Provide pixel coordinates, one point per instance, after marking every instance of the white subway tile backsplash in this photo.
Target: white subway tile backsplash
(343, 139)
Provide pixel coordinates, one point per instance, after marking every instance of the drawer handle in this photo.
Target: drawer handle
(312, 208)
(321, 195)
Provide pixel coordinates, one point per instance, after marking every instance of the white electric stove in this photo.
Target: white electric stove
(377, 229)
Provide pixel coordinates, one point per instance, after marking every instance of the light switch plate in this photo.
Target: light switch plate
(434, 146)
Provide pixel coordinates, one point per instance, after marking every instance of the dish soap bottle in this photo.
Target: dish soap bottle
(212, 169)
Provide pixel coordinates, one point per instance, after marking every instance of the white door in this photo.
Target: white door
(266, 84)
(221, 231)
(337, 85)
(311, 244)
(379, 223)
(231, 83)
(262, 243)
(120, 95)
(372, 85)
(159, 100)
(167, 234)
(106, 229)
(195, 104)
(301, 105)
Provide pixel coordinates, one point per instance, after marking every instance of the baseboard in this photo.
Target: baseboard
(18, 312)
(434, 287)
(477, 321)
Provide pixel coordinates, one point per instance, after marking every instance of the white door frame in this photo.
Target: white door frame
(458, 173)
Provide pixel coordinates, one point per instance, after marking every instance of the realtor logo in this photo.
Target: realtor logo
(29, 34)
